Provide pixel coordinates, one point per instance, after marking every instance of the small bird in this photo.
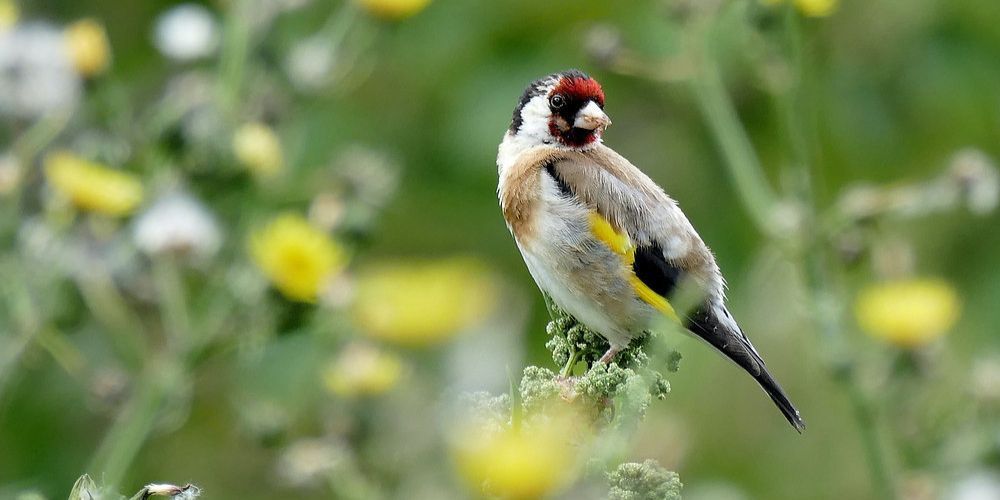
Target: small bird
(606, 243)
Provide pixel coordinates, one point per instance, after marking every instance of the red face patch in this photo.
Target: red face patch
(580, 88)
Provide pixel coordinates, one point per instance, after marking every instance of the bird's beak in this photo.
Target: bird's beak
(591, 117)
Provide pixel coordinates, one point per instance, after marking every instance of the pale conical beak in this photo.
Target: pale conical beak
(591, 117)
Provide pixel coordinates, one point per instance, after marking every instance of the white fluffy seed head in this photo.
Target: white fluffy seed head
(186, 32)
(179, 224)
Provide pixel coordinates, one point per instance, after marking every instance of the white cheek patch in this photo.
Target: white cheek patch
(535, 120)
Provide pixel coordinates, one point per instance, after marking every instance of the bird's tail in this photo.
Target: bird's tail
(726, 337)
(779, 397)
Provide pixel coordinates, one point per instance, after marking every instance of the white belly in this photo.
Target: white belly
(582, 275)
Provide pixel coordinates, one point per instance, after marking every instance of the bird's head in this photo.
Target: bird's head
(564, 109)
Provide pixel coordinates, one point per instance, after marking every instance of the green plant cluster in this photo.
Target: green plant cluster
(644, 481)
(572, 343)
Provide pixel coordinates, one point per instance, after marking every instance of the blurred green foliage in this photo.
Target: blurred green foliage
(893, 90)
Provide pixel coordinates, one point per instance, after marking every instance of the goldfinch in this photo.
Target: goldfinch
(600, 237)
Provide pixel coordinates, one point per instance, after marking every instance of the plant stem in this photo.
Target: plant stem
(233, 58)
(130, 430)
(759, 200)
(338, 25)
(818, 269)
(864, 416)
(39, 136)
(573, 359)
(751, 184)
(135, 423)
(110, 309)
(174, 312)
(827, 318)
(24, 315)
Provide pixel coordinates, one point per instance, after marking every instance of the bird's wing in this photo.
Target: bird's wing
(667, 248)
(634, 215)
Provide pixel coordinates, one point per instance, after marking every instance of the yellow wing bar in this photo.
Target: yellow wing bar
(621, 244)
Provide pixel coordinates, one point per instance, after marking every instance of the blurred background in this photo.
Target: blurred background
(255, 245)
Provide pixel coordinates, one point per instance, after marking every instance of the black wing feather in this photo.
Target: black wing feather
(653, 269)
(734, 345)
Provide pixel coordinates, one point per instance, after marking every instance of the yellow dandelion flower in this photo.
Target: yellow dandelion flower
(422, 303)
(298, 258)
(394, 9)
(362, 370)
(88, 46)
(531, 461)
(816, 8)
(258, 148)
(908, 313)
(809, 8)
(9, 14)
(91, 186)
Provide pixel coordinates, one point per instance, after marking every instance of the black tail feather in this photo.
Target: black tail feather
(735, 346)
(781, 400)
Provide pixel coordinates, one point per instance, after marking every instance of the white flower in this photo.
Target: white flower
(311, 63)
(177, 223)
(978, 179)
(977, 485)
(308, 461)
(36, 74)
(186, 32)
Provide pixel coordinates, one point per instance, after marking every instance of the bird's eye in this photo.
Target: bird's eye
(557, 101)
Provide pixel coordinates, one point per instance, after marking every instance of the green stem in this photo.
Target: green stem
(109, 308)
(864, 416)
(751, 184)
(829, 323)
(130, 431)
(759, 200)
(39, 136)
(573, 360)
(173, 310)
(23, 315)
(339, 24)
(818, 269)
(135, 423)
(232, 61)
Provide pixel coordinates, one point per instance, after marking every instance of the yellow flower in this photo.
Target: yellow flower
(9, 14)
(88, 47)
(91, 186)
(816, 8)
(360, 370)
(297, 257)
(258, 148)
(393, 9)
(908, 313)
(422, 303)
(528, 462)
(810, 8)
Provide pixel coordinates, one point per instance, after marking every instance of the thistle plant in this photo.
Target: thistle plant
(583, 414)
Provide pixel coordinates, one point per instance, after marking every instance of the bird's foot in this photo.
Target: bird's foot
(608, 356)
